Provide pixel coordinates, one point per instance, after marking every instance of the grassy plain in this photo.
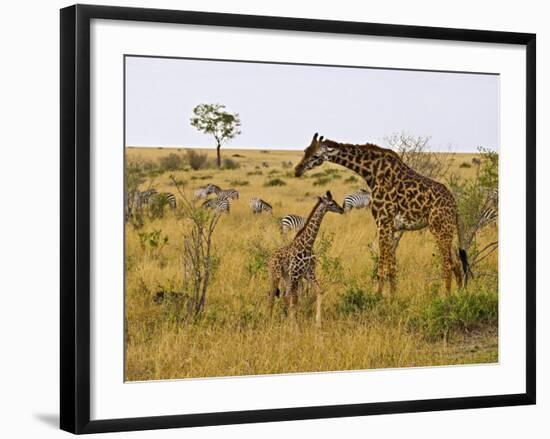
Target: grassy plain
(418, 327)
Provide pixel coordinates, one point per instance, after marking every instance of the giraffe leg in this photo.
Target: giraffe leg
(291, 297)
(386, 262)
(444, 243)
(457, 269)
(271, 296)
(312, 280)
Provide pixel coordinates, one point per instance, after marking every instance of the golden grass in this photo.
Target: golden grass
(235, 337)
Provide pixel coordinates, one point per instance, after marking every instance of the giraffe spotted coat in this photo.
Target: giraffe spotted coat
(296, 261)
(402, 199)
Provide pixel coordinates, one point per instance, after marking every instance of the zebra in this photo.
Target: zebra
(146, 196)
(230, 194)
(358, 200)
(211, 188)
(489, 212)
(201, 193)
(135, 200)
(258, 206)
(487, 216)
(217, 204)
(292, 222)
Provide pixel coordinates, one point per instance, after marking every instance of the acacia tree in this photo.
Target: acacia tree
(213, 119)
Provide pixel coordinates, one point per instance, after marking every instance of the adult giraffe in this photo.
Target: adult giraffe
(402, 199)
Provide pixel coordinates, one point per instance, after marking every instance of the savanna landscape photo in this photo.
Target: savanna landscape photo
(286, 218)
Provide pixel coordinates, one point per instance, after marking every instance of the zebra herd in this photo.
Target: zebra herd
(222, 200)
(221, 203)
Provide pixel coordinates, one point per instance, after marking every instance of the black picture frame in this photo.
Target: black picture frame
(75, 217)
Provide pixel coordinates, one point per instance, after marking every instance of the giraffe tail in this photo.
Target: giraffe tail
(277, 292)
(462, 252)
(465, 265)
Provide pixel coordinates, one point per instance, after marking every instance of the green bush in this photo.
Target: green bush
(458, 312)
(230, 164)
(275, 182)
(196, 160)
(157, 205)
(239, 183)
(351, 179)
(171, 162)
(322, 181)
(357, 300)
(465, 165)
(258, 256)
(254, 173)
(317, 175)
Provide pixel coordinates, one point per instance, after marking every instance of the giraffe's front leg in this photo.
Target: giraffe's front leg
(312, 280)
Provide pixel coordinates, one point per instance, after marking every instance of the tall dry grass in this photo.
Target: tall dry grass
(360, 331)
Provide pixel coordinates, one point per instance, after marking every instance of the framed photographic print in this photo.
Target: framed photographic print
(268, 218)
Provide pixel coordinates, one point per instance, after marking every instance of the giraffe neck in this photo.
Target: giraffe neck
(366, 160)
(306, 237)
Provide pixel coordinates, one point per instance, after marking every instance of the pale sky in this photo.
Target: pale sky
(282, 106)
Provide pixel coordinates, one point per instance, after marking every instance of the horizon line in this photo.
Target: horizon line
(274, 149)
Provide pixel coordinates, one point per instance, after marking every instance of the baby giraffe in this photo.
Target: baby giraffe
(296, 261)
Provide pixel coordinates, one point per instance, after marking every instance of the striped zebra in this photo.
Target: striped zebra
(488, 215)
(219, 205)
(201, 193)
(228, 194)
(292, 222)
(358, 200)
(146, 196)
(257, 205)
(135, 201)
(212, 189)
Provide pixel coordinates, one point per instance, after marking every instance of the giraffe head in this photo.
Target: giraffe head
(314, 155)
(330, 204)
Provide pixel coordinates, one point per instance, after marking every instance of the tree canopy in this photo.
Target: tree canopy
(214, 120)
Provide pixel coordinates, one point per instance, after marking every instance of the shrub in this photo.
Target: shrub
(465, 165)
(238, 183)
(171, 162)
(197, 160)
(317, 175)
(258, 172)
(230, 164)
(275, 182)
(153, 242)
(273, 172)
(178, 182)
(357, 300)
(458, 312)
(157, 205)
(351, 179)
(321, 181)
(331, 266)
(258, 256)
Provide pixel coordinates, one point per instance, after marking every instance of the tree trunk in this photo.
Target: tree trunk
(219, 158)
